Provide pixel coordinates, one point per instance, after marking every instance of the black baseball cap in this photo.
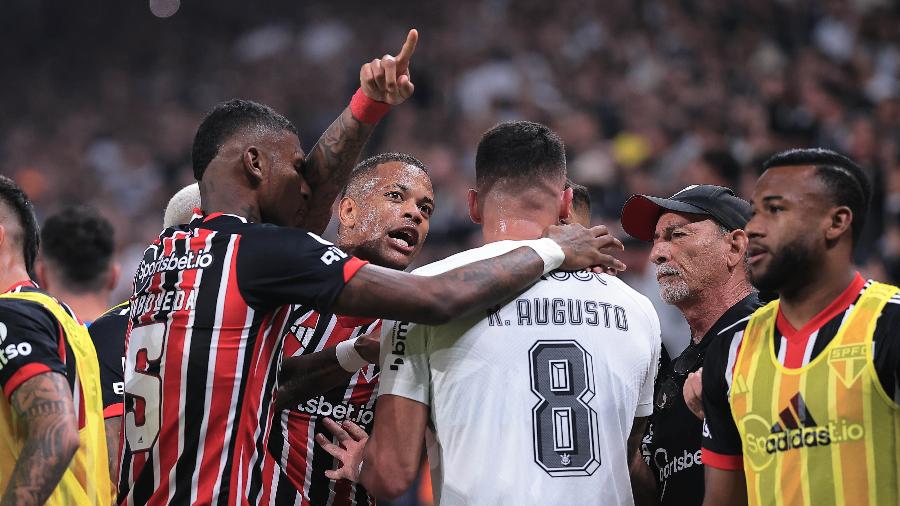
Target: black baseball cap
(641, 212)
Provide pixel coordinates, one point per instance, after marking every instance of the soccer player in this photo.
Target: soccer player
(212, 298)
(76, 266)
(699, 248)
(541, 399)
(108, 330)
(802, 407)
(51, 420)
(384, 219)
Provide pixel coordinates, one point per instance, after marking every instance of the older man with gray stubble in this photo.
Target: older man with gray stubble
(699, 250)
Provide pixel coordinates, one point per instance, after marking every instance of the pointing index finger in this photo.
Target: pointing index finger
(409, 47)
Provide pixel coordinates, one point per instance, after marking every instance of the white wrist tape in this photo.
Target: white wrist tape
(550, 252)
(347, 356)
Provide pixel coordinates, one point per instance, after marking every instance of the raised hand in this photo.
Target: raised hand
(586, 247)
(349, 450)
(387, 79)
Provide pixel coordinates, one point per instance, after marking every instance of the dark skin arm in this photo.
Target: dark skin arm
(113, 436)
(724, 487)
(329, 163)
(385, 293)
(643, 486)
(46, 415)
(307, 376)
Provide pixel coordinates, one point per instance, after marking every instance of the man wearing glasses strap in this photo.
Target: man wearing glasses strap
(699, 250)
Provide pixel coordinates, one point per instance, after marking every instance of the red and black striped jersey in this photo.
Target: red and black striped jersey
(210, 305)
(294, 467)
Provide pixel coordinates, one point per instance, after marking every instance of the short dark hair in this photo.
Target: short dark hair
(847, 183)
(364, 169)
(521, 150)
(581, 197)
(21, 205)
(226, 119)
(80, 243)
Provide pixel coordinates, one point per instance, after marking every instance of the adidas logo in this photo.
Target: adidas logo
(796, 429)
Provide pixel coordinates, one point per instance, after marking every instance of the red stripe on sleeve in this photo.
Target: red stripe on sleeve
(351, 267)
(114, 410)
(721, 461)
(25, 373)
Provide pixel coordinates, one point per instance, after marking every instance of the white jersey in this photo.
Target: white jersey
(533, 403)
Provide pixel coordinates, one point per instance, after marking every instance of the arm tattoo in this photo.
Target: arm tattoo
(113, 437)
(329, 164)
(46, 415)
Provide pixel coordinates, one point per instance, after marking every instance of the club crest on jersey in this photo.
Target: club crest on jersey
(848, 362)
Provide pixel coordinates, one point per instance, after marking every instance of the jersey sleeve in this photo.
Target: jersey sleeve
(277, 266)
(721, 441)
(108, 335)
(405, 369)
(645, 399)
(29, 344)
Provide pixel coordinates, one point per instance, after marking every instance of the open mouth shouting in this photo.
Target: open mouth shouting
(404, 239)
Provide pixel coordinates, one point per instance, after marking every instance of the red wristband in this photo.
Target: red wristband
(367, 110)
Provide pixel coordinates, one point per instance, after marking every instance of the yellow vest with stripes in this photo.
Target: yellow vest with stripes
(826, 433)
(86, 481)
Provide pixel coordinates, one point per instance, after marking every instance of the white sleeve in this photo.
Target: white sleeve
(405, 369)
(645, 400)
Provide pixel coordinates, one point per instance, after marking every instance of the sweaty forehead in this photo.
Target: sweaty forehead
(402, 174)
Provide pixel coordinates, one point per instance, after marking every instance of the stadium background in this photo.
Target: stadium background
(101, 99)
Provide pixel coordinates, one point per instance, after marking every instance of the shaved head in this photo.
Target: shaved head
(181, 206)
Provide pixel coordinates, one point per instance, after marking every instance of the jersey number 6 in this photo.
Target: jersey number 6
(564, 425)
(143, 386)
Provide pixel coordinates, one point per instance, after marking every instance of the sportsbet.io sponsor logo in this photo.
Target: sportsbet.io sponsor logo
(187, 261)
(343, 411)
(11, 351)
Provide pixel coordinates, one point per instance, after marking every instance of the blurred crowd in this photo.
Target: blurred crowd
(649, 96)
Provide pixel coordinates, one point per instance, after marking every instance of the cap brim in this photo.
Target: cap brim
(641, 212)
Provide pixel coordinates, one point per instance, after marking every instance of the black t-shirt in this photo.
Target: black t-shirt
(673, 436)
(108, 335)
(721, 440)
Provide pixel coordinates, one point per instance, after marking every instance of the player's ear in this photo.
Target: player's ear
(252, 163)
(40, 272)
(114, 271)
(841, 217)
(474, 211)
(565, 203)
(347, 212)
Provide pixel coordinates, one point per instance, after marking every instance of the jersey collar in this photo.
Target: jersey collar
(837, 306)
(26, 282)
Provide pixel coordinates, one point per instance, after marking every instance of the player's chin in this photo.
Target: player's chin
(396, 259)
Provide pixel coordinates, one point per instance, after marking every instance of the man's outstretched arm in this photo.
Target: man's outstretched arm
(383, 82)
(46, 412)
(385, 293)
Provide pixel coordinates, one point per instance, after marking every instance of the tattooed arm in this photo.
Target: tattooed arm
(113, 443)
(331, 160)
(385, 293)
(46, 413)
(329, 164)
